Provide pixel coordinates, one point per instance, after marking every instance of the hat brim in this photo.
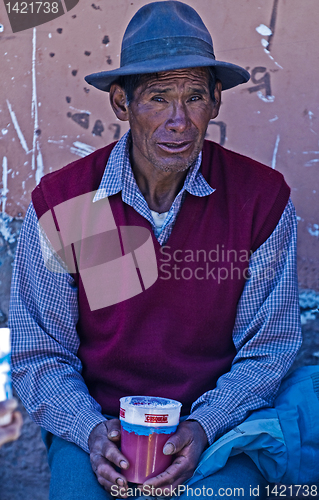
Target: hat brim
(229, 74)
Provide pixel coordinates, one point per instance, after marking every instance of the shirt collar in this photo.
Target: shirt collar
(118, 175)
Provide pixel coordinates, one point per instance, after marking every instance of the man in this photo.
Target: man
(94, 319)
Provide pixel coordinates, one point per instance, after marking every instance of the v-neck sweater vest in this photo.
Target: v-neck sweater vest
(175, 338)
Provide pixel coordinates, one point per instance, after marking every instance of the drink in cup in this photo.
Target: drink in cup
(5, 372)
(146, 424)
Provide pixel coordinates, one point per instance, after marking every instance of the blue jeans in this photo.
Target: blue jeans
(72, 477)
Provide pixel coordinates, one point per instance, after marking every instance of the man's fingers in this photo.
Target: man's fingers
(113, 454)
(101, 444)
(105, 454)
(114, 429)
(119, 491)
(106, 475)
(104, 469)
(110, 478)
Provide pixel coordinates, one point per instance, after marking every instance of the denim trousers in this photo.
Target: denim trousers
(72, 477)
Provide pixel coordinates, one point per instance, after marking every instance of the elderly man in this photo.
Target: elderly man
(162, 265)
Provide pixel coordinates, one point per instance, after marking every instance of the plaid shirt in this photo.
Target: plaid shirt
(44, 312)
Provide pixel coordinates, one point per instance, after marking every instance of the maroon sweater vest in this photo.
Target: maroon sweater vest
(175, 338)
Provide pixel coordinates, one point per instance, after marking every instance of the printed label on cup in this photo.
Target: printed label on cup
(156, 419)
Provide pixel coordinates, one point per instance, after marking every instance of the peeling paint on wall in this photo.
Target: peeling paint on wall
(81, 149)
(263, 30)
(314, 230)
(5, 189)
(22, 140)
(274, 156)
(309, 305)
(310, 163)
(267, 98)
(36, 151)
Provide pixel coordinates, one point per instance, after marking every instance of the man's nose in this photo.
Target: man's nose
(178, 120)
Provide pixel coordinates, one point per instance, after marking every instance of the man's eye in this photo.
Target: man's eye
(195, 98)
(157, 98)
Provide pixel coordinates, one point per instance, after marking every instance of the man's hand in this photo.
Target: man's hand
(104, 454)
(188, 443)
(11, 431)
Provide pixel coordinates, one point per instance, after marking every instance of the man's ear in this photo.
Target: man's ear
(118, 102)
(218, 99)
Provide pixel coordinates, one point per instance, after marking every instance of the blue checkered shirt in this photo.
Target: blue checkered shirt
(44, 312)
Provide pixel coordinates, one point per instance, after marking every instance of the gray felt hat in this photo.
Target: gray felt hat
(164, 36)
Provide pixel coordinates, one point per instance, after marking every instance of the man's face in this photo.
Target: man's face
(168, 116)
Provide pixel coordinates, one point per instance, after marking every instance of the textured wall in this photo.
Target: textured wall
(49, 117)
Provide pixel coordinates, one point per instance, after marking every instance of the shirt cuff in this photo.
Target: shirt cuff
(83, 425)
(213, 421)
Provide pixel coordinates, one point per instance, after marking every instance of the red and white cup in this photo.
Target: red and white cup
(146, 424)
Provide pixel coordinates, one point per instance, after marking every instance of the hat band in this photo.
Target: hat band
(166, 47)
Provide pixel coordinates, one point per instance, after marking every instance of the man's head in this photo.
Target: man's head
(168, 85)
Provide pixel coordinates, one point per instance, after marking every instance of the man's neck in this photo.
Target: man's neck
(159, 193)
(159, 188)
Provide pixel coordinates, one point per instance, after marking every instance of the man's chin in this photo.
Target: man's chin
(173, 168)
(175, 164)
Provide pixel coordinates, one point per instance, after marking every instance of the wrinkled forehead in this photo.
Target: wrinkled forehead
(189, 76)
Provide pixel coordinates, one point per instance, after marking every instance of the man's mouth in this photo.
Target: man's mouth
(174, 147)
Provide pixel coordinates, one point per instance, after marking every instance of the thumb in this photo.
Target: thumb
(176, 442)
(169, 448)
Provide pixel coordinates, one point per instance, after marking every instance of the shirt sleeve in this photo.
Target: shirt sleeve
(267, 334)
(45, 368)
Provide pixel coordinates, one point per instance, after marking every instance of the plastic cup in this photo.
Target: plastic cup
(5, 371)
(146, 424)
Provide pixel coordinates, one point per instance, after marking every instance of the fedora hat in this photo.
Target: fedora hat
(164, 36)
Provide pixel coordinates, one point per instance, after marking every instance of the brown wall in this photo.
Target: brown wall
(273, 118)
